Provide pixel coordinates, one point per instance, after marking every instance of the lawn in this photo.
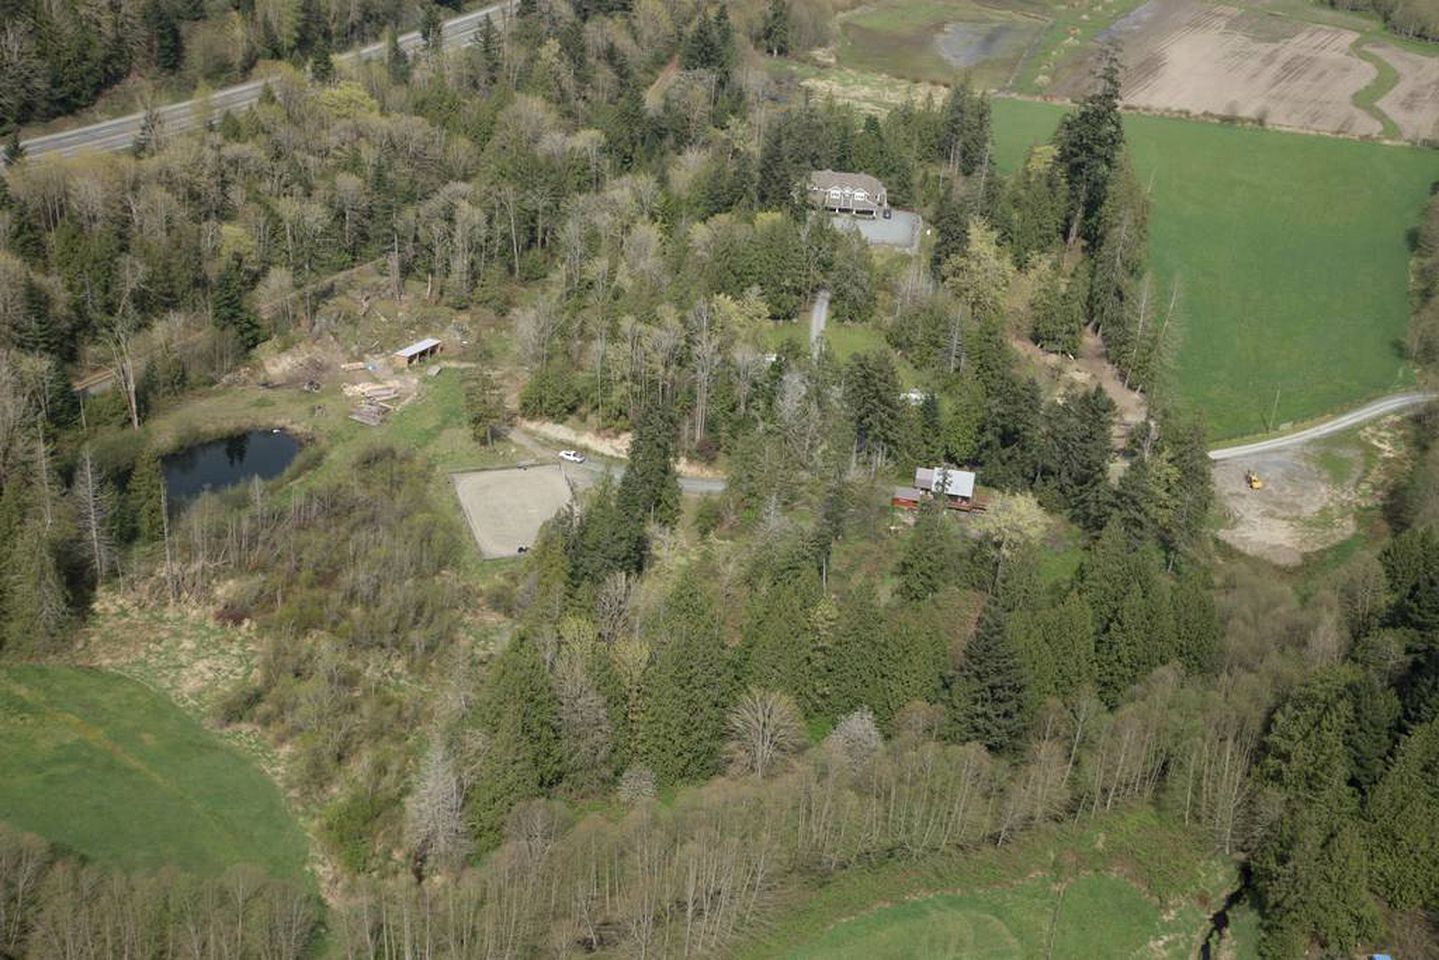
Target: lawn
(1290, 253)
(1129, 885)
(845, 340)
(100, 765)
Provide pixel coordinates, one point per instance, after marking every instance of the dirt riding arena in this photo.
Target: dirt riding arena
(1187, 56)
(506, 508)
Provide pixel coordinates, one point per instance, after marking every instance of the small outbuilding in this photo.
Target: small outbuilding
(418, 352)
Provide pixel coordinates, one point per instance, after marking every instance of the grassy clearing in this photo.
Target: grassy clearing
(845, 340)
(1133, 884)
(1290, 254)
(1097, 915)
(99, 764)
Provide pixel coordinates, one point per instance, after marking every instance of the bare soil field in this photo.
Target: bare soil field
(506, 508)
(1185, 56)
(1413, 103)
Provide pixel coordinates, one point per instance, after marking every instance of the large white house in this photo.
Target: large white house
(857, 193)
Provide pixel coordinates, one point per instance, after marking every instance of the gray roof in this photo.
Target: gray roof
(957, 483)
(418, 347)
(824, 179)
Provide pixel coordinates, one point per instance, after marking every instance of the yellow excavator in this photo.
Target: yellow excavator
(1252, 480)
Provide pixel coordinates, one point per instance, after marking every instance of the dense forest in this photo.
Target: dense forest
(691, 711)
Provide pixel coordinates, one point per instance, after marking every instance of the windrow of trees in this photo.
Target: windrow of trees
(60, 908)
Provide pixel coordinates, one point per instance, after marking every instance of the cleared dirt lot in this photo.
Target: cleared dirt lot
(1182, 55)
(1310, 493)
(505, 508)
(1414, 102)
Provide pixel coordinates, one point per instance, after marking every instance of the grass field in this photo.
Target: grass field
(1129, 885)
(1290, 253)
(102, 766)
(1097, 916)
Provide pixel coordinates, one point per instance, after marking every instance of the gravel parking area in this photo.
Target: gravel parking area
(506, 508)
(900, 230)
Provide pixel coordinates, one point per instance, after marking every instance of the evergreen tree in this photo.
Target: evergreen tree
(775, 634)
(14, 149)
(431, 29)
(871, 394)
(928, 561)
(489, 41)
(687, 689)
(1130, 647)
(1403, 812)
(165, 34)
(145, 495)
(1075, 451)
(519, 714)
(397, 62)
(854, 672)
(36, 598)
(650, 487)
(322, 63)
(1199, 634)
(1310, 871)
(1089, 142)
(990, 697)
(774, 31)
(228, 308)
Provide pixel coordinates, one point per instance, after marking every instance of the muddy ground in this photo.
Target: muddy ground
(1311, 494)
(1186, 56)
(1413, 104)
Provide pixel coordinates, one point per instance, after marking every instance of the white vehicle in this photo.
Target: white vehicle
(572, 456)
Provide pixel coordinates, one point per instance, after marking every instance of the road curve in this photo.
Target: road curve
(120, 133)
(1370, 411)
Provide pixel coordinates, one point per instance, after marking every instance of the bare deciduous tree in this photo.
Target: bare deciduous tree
(765, 727)
(434, 822)
(856, 738)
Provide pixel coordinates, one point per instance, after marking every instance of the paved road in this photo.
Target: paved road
(818, 316)
(120, 133)
(596, 468)
(1370, 411)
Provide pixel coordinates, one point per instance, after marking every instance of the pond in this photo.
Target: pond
(223, 463)
(968, 44)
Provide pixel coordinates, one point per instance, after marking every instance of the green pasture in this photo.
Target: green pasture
(102, 766)
(1094, 916)
(1290, 253)
(1134, 884)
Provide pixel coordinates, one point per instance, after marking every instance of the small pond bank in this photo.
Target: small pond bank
(218, 464)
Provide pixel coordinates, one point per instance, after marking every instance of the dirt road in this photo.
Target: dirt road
(817, 318)
(1371, 411)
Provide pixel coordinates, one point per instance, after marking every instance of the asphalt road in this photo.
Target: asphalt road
(1370, 411)
(120, 133)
